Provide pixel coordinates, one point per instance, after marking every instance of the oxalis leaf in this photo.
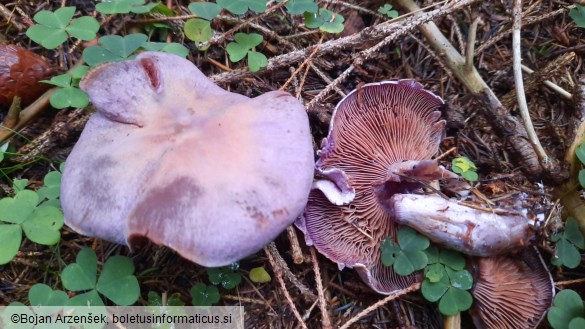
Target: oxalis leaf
(298, 7)
(198, 30)
(204, 295)
(113, 48)
(124, 7)
(205, 10)
(224, 276)
(567, 305)
(240, 7)
(578, 16)
(117, 281)
(53, 28)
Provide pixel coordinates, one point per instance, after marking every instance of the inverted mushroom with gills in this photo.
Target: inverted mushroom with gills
(371, 171)
(172, 158)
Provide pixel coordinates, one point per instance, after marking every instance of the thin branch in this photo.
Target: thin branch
(392, 296)
(469, 52)
(325, 320)
(394, 28)
(554, 87)
(278, 274)
(522, 103)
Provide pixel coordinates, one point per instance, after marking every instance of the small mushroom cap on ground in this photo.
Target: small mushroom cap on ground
(171, 157)
(468, 230)
(511, 292)
(372, 129)
(20, 73)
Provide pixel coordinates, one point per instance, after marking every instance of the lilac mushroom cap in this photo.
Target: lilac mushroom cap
(374, 131)
(171, 157)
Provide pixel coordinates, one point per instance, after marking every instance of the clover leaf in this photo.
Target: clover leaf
(171, 48)
(242, 47)
(205, 10)
(51, 191)
(224, 276)
(54, 28)
(116, 281)
(19, 184)
(465, 167)
(204, 295)
(297, 7)
(113, 48)
(124, 7)
(198, 30)
(325, 20)
(68, 95)
(259, 275)
(240, 7)
(154, 299)
(567, 308)
(567, 244)
(388, 11)
(407, 256)
(22, 213)
(51, 300)
(447, 281)
(578, 16)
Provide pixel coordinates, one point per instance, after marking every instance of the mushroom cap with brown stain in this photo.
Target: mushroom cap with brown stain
(171, 157)
(20, 73)
(373, 130)
(511, 292)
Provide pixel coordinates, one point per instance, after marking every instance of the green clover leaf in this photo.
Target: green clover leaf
(204, 295)
(567, 305)
(259, 275)
(205, 10)
(224, 276)
(116, 281)
(388, 11)
(567, 244)
(298, 7)
(198, 30)
(124, 7)
(54, 28)
(240, 7)
(171, 48)
(578, 16)
(113, 48)
(325, 20)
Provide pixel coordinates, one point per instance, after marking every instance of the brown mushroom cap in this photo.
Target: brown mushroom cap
(511, 292)
(20, 73)
(171, 157)
(373, 130)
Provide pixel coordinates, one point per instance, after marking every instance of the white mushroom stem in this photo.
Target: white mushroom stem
(468, 230)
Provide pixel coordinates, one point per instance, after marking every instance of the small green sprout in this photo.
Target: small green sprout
(54, 28)
(242, 47)
(567, 311)
(259, 275)
(124, 7)
(116, 281)
(299, 7)
(51, 191)
(465, 167)
(567, 244)
(113, 48)
(240, 7)
(204, 295)
(325, 20)
(388, 11)
(407, 256)
(154, 299)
